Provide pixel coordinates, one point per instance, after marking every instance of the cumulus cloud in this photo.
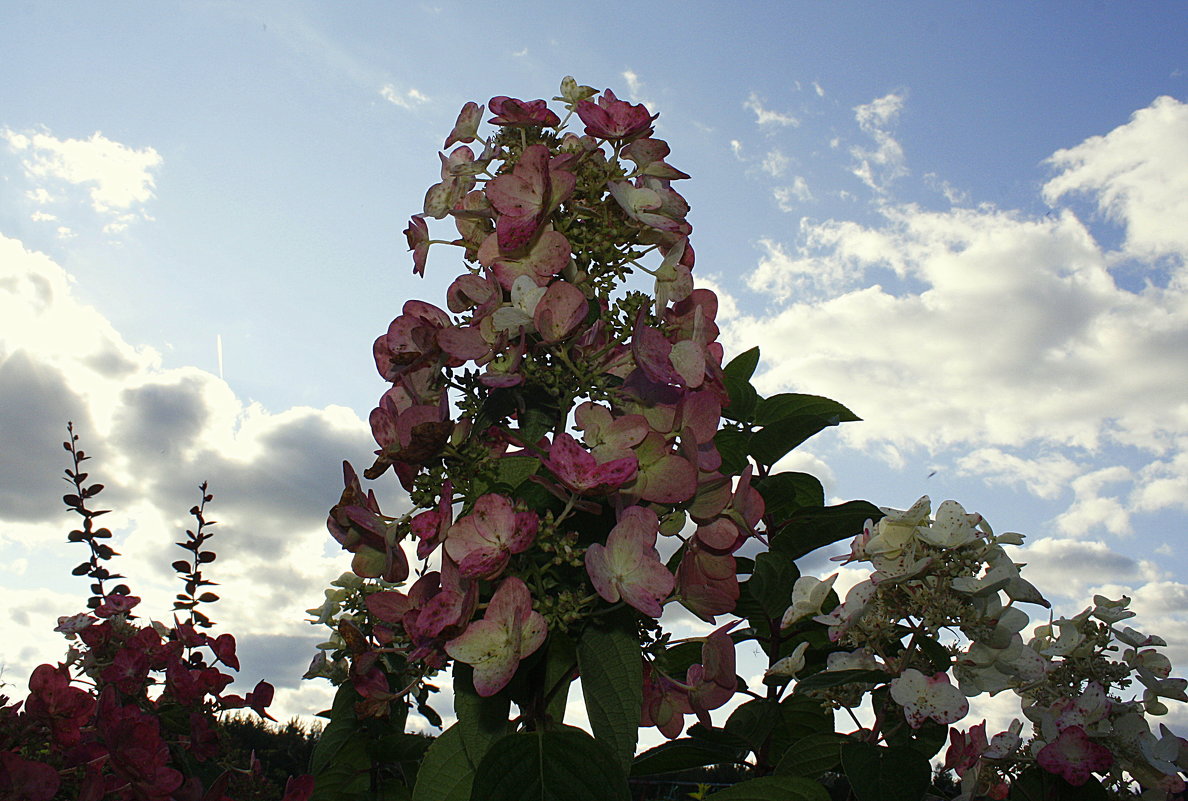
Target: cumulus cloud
(119, 179)
(154, 435)
(1147, 195)
(1005, 344)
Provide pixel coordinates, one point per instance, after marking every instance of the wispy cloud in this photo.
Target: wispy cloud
(765, 117)
(406, 99)
(880, 166)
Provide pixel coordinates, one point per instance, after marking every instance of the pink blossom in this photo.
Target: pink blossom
(614, 119)
(457, 180)
(628, 566)
(509, 111)
(576, 468)
(1074, 756)
(466, 128)
(649, 155)
(561, 310)
(706, 581)
(665, 703)
(417, 235)
(713, 682)
(508, 632)
(547, 256)
(528, 194)
(483, 541)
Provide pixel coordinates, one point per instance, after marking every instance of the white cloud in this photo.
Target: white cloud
(155, 434)
(636, 91)
(787, 197)
(1148, 196)
(1045, 475)
(1092, 509)
(407, 99)
(817, 88)
(119, 179)
(767, 117)
(879, 167)
(736, 148)
(1000, 341)
(774, 163)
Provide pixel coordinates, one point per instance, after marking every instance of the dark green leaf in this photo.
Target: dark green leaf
(512, 471)
(800, 717)
(775, 440)
(833, 678)
(564, 764)
(1036, 784)
(612, 683)
(743, 399)
(535, 423)
(811, 756)
(481, 721)
(560, 671)
(791, 404)
(815, 527)
(785, 493)
(208, 597)
(343, 724)
(445, 773)
(885, 774)
(773, 788)
(732, 444)
(743, 365)
(683, 754)
(753, 722)
(771, 582)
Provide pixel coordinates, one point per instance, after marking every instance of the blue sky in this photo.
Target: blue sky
(965, 221)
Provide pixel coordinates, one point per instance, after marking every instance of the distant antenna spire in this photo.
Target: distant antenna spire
(219, 348)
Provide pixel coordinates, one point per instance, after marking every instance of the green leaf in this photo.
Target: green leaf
(815, 527)
(348, 776)
(800, 717)
(611, 667)
(773, 788)
(342, 725)
(563, 764)
(481, 721)
(732, 444)
(743, 365)
(785, 493)
(833, 678)
(771, 583)
(778, 438)
(791, 404)
(753, 721)
(1036, 784)
(885, 774)
(743, 399)
(535, 423)
(559, 673)
(446, 773)
(512, 471)
(683, 754)
(811, 756)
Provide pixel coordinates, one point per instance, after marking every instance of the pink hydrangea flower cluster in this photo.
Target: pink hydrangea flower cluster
(543, 373)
